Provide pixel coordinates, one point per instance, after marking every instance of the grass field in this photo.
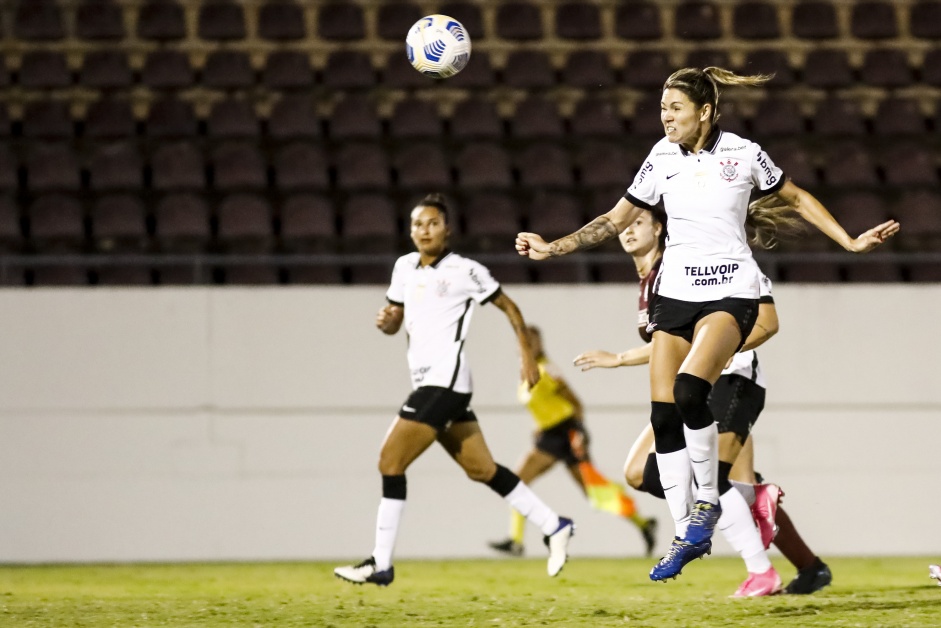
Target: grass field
(589, 592)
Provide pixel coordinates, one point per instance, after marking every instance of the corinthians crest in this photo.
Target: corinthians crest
(728, 172)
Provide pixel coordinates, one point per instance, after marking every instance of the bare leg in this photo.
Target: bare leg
(637, 458)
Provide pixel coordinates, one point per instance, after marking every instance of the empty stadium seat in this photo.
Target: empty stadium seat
(340, 21)
(647, 69)
(244, 224)
(354, 117)
(348, 69)
(528, 69)
(697, 20)
(413, 118)
(858, 211)
(468, 14)
(177, 166)
(221, 20)
(167, 69)
(281, 20)
(519, 21)
(124, 275)
(115, 166)
(293, 117)
(476, 118)
(11, 239)
(766, 61)
(925, 20)
(301, 166)
(308, 224)
(394, 19)
(52, 168)
(232, 119)
(917, 211)
(171, 118)
(59, 276)
(286, 70)
(814, 19)
(238, 166)
(848, 164)
(109, 119)
(594, 117)
(369, 224)
(554, 214)
(827, 69)
(705, 57)
(399, 73)
(105, 69)
(119, 223)
(886, 68)
(899, 116)
(589, 69)
(580, 21)
(9, 176)
(839, 116)
(47, 119)
(56, 224)
(873, 20)
(38, 20)
(605, 164)
(99, 20)
(639, 21)
(181, 223)
(545, 165)
(422, 166)
(909, 162)
(756, 20)
(228, 69)
(477, 73)
(44, 69)
(491, 222)
(161, 20)
(483, 165)
(536, 117)
(362, 166)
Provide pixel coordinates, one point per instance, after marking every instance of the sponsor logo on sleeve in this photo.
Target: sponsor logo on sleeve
(476, 280)
(647, 167)
(770, 177)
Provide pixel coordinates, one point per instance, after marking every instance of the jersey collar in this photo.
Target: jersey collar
(436, 261)
(711, 142)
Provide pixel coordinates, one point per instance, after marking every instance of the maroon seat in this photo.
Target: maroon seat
(394, 19)
(639, 21)
(341, 21)
(221, 20)
(795, 160)
(238, 166)
(827, 69)
(777, 117)
(545, 165)
(415, 119)
(232, 119)
(478, 73)
(119, 223)
(177, 166)
(399, 73)
(369, 224)
(167, 69)
(228, 69)
(886, 68)
(181, 223)
(349, 69)
(105, 69)
(109, 119)
(839, 116)
(594, 117)
(56, 224)
(287, 70)
(318, 274)
(116, 166)
(99, 20)
(355, 117)
(554, 214)
(293, 117)
(755, 20)
(767, 61)
(580, 21)
(38, 20)
(697, 20)
(909, 162)
(52, 168)
(161, 20)
(810, 272)
(59, 276)
(848, 164)
(281, 20)
(528, 69)
(589, 69)
(492, 221)
(124, 275)
(47, 119)
(605, 164)
(9, 176)
(899, 116)
(814, 19)
(11, 239)
(362, 166)
(170, 118)
(647, 69)
(483, 165)
(536, 117)
(44, 69)
(919, 212)
(931, 68)
(706, 57)
(476, 118)
(308, 224)
(873, 20)
(468, 14)
(924, 19)
(301, 166)
(732, 118)
(858, 211)
(872, 271)
(519, 21)
(422, 165)
(245, 224)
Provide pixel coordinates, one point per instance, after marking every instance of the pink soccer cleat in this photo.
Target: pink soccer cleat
(767, 498)
(760, 584)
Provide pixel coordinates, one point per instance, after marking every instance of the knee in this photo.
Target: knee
(390, 464)
(634, 474)
(480, 472)
(667, 427)
(691, 395)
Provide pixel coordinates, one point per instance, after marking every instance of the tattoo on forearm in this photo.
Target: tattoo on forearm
(594, 233)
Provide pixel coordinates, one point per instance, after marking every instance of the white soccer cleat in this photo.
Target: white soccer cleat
(934, 571)
(365, 572)
(558, 544)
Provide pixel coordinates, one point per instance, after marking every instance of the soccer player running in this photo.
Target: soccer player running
(736, 401)
(433, 292)
(706, 295)
(561, 436)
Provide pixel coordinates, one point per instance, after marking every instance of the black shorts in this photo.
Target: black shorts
(679, 318)
(557, 440)
(736, 402)
(438, 407)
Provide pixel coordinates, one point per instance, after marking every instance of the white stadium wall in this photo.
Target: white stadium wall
(230, 424)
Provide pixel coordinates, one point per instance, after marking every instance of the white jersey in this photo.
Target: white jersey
(745, 363)
(706, 198)
(439, 302)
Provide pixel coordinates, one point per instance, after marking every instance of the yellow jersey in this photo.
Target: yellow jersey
(547, 406)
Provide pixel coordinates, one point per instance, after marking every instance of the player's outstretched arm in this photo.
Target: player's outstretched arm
(530, 370)
(601, 229)
(603, 359)
(816, 214)
(389, 319)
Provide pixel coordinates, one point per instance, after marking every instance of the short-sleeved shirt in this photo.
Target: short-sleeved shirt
(439, 302)
(745, 363)
(545, 403)
(706, 197)
(643, 300)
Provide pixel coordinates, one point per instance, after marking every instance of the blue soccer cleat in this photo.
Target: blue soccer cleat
(680, 553)
(702, 522)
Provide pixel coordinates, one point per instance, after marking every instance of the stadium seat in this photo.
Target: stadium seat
(341, 21)
(483, 165)
(477, 74)
(238, 166)
(59, 276)
(221, 20)
(116, 166)
(567, 272)
(177, 166)
(228, 70)
(47, 119)
(768, 61)
(124, 275)
(731, 117)
(348, 69)
(287, 70)
(528, 69)
(394, 19)
(925, 272)
(38, 20)
(616, 272)
(11, 239)
(182, 274)
(519, 21)
(697, 20)
(545, 165)
(814, 19)
(52, 168)
(554, 214)
(99, 20)
(510, 272)
(795, 160)
(250, 275)
(917, 211)
(468, 14)
(167, 69)
(810, 272)
(886, 68)
(638, 21)
(858, 211)
(44, 69)
(705, 57)
(647, 69)
(4, 121)
(9, 177)
(595, 117)
(181, 223)
(924, 20)
(756, 20)
(588, 69)
(301, 166)
(354, 117)
(362, 166)
(105, 69)
(873, 20)
(319, 274)
(232, 119)
(605, 164)
(536, 118)
(244, 224)
(908, 163)
(491, 222)
(119, 223)
(645, 119)
(931, 68)
(161, 20)
(422, 166)
(171, 118)
(848, 164)
(308, 224)
(369, 224)
(871, 271)
(415, 118)
(293, 117)
(56, 224)
(475, 118)
(281, 20)
(580, 21)
(370, 274)
(827, 69)
(398, 73)
(839, 117)
(898, 116)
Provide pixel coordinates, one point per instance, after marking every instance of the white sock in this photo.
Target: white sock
(387, 528)
(739, 530)
(703, 448)
(528, 504)
(676, 478)
(747, 491)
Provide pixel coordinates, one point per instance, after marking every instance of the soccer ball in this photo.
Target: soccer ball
(438, 46)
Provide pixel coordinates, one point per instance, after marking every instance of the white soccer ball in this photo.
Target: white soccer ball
(438, 46)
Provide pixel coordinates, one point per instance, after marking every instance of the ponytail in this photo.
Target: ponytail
(703, 86)
(770, 217)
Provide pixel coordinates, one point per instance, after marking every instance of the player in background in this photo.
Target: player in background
(706, 294)
(561, 437)
(736, 400)
(433, 293)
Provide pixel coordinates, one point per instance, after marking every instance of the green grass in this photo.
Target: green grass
(589, 592)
